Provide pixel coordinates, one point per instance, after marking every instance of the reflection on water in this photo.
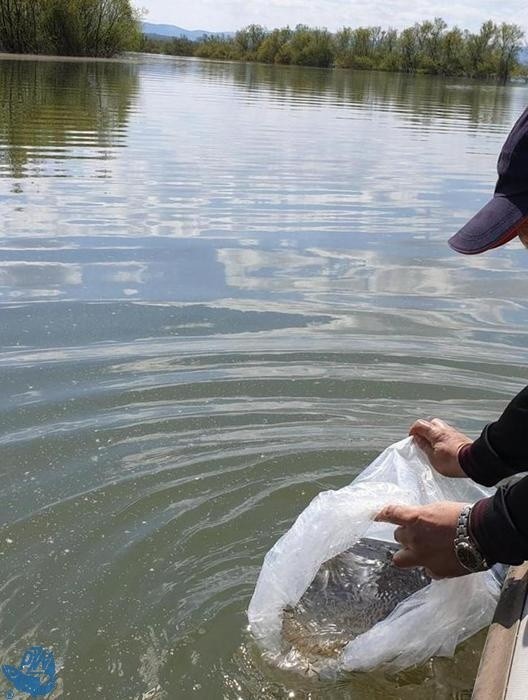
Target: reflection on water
(224, 288)
(424, 97)
(56, 111)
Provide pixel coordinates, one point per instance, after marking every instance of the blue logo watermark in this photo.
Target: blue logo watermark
(34, 675)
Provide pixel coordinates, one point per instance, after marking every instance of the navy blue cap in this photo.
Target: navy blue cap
(501, 218)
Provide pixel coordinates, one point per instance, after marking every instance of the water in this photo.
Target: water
(350, 593)
(224, 288)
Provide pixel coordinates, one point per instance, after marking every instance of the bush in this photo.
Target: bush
(73, 27)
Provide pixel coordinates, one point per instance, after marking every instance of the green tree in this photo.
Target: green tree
(179, 46)
(452, 50)
(360, 48)
(76, 27)
(480, 49)
(21, 25)
(272, 49)
(388, 55)
(344, 47)
(309, 47)
(216, 46)
(509, 37)
(409, 50)
(248, 41)
(429, 40)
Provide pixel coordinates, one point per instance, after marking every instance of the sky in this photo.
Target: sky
(228, 15)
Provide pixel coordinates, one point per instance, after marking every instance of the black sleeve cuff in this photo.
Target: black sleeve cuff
(481, 463)
(494, 531)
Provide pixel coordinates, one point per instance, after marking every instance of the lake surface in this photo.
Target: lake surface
(224, 288)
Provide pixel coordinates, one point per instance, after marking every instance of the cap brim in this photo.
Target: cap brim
(495, 224)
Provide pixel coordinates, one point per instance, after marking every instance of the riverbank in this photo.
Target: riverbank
(54, 57)
(137, 57)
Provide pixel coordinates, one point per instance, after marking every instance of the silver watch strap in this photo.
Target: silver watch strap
(463, 534)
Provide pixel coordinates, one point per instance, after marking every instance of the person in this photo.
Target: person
(452, 539)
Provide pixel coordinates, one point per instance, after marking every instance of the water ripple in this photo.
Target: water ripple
(223, 289)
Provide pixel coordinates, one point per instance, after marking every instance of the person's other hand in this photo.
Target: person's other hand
(427, 535)
(441, 443)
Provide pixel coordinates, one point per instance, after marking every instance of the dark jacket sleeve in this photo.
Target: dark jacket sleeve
(500, 524)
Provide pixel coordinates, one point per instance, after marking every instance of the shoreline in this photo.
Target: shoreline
(132, 56)
(4, 56)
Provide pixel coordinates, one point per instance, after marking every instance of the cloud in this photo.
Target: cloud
(232, 14)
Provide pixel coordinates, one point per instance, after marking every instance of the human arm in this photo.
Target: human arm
(502, 448)
(499, 524)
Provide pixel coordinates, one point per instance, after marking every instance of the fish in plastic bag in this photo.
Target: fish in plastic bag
(328, 598)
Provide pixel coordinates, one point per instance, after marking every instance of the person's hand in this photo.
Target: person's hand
(427, 535)
(441, 443)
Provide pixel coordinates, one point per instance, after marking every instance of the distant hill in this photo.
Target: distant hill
(170, 30)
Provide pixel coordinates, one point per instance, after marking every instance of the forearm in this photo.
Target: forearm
(499, 524)
(502, 448)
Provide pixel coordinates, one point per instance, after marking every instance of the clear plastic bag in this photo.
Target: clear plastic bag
(324, 551)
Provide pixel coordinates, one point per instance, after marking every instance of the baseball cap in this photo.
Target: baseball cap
(502, 217)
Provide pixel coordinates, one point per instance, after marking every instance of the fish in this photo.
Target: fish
(350, 593)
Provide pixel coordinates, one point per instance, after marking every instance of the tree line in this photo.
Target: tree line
(426, 47)
(69, 27)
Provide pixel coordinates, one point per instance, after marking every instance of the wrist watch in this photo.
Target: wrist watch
(466, 550)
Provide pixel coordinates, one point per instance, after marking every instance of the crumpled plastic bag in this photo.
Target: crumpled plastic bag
(430, 621)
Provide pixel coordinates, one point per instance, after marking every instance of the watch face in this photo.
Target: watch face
(467, 557)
